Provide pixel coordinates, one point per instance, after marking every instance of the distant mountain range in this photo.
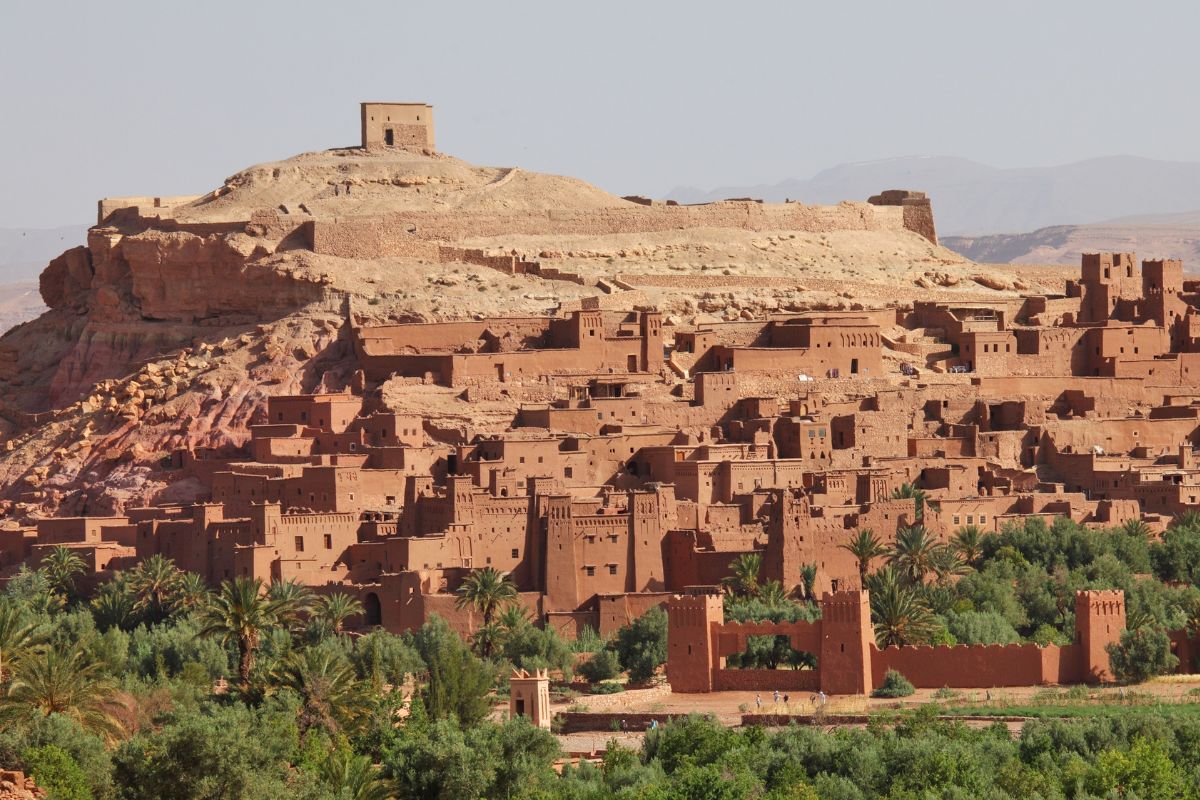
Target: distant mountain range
(970, 198)
(1149, 236)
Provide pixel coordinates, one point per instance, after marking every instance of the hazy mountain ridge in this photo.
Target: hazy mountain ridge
(1149, 236)
(974, 198)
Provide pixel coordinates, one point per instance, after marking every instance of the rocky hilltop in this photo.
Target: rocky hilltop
(167, 330)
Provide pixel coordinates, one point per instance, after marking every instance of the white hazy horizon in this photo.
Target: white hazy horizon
(160, 98)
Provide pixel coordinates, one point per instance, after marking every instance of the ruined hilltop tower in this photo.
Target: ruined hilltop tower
(407, 125)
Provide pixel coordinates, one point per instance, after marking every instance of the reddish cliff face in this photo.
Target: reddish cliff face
(146, 293)
(156, 341)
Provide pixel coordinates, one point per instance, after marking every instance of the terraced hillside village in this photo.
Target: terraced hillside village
(381, 372)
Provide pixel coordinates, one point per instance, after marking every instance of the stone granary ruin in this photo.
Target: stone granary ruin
(376, 369)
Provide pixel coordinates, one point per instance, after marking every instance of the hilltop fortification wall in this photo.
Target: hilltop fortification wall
(413, 233)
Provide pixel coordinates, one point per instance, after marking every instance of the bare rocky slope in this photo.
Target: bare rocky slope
(169, 328)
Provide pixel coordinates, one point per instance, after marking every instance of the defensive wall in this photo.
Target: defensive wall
(415, 233)
(849, 662)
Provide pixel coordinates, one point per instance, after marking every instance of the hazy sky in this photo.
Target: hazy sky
(160, 97)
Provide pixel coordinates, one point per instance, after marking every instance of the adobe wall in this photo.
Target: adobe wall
(1123, 389)
(962, 666)
(849, 662)
(416, 233)
(785, 680)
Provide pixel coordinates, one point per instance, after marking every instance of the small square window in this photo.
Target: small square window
(516, 553)
(612, 569)
(589, 571)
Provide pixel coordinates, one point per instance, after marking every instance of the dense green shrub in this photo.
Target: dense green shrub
(1142, 653)
(216, 752)
(642, 645)
(980, 627)
(530, 647)
(456, 681)
(602, 666)
(381, 657)
(441, 760)
(606, 687)
(894, 685)
(55, 771)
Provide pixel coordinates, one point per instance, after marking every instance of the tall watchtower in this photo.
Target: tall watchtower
(407, 125)
(691, 647)
(846, 639)
(1099, 621)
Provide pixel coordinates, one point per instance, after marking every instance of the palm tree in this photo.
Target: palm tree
(293, 601)
(908, 491)
(864, 546)
(486, 590)
(239, 613)
(156, 583)
(900, 614)
(335, 609)
(352, 776)
(55, 680)
(808, 582)
(192, 592)
(513, 618)
(1137, 528)
(114, 605)
(947, 564)
(966, 542)
(331, 696)
(62, 565)
(17, 634)
(913, 553)
(1186, 519)
(488, 638)
(1139, 618)
(1192, 626)
(772, 593)
(744, 572)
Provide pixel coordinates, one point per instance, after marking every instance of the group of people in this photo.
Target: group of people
(817, 700)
